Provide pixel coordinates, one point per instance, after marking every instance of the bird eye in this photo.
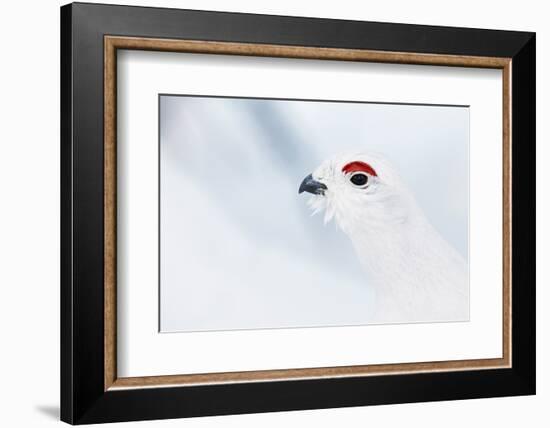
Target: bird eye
(359, 179)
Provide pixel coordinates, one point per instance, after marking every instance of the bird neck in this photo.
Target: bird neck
(416, 275)
(410, 251)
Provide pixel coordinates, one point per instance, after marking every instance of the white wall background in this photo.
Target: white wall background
(29, 218)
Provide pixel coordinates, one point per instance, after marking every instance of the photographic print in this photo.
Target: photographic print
(280, 213)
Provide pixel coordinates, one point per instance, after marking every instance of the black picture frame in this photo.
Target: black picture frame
(83, 396)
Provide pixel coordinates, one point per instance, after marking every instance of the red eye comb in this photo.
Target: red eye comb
(359, 166)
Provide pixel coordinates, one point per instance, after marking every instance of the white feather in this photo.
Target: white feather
(417, 275)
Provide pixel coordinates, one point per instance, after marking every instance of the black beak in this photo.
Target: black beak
(313, 186)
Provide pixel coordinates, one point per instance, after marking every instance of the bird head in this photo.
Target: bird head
(358, 190)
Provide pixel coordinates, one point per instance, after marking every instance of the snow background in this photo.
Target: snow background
(239, 247)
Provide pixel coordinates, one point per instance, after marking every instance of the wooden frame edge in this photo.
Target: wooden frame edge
(112, 43)
(308, 373)
(301, 52)
(507, 213)
(110, 213)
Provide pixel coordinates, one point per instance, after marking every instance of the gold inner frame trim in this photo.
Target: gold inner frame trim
(113, 43)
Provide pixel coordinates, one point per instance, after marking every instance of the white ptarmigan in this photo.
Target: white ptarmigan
(417, 275)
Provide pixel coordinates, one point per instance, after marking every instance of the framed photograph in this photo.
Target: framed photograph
(265, 213)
